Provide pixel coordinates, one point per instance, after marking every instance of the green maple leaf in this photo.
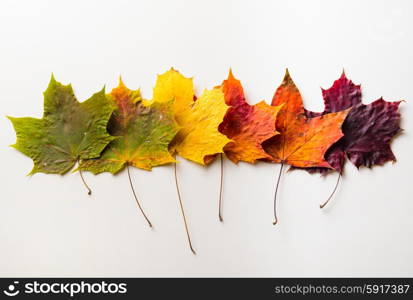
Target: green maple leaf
(143, 134)
(68, 132)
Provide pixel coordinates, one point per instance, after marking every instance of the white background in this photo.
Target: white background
(50, 227)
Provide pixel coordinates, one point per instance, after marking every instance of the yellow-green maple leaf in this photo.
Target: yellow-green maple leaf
(143, 133)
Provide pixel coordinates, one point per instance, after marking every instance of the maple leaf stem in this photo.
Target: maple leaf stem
(89, 191)
(275, 194)
(332, 194)
(220, 189)
(183, 212)
(136, 198)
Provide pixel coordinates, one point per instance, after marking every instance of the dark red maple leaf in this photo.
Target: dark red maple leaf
(342, 95)
(368, 129)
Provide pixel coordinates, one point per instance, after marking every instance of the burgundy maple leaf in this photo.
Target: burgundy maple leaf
(368, 129)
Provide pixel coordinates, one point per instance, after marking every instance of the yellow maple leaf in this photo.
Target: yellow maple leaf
(198, 139)
(171, 85)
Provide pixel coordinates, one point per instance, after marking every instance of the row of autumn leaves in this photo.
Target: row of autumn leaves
(109, 132)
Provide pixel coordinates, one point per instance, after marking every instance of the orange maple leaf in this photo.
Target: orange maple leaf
(302, 141)
(248, 126)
